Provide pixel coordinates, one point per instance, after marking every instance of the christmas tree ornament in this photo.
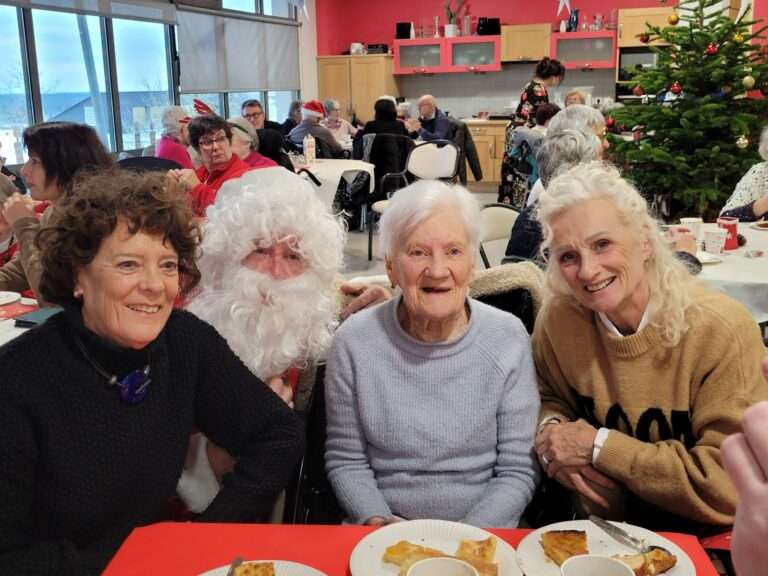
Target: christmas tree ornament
(748, 82)
(738, 38)
(610, 122)
(676, 88)
(645, 37)
(742, 142)
(638, 90)
(727, 89)
(645, 99)
(711, 49)
(673, 19)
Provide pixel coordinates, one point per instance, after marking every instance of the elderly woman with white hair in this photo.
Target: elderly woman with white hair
(173, 143)
(643, 371)
(339, 127)
(749, 200)
(245, 143)
(428, 416)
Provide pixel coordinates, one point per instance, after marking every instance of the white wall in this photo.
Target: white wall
(308, 51)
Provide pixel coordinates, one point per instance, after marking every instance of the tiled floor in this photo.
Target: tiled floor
(356, 251)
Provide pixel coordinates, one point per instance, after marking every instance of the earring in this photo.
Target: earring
(78, 293)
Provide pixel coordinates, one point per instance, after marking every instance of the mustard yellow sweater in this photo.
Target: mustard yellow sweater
(668, 409)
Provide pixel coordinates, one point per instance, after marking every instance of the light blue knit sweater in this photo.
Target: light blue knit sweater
(425, 430)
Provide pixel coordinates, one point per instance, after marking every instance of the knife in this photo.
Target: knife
(620, 535)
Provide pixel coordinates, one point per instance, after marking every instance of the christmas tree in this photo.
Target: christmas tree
(698, 131)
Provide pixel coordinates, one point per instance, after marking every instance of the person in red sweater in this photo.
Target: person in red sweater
(211, 137)
(172, 145)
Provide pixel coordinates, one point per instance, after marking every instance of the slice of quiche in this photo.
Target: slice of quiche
(255, 569)
(559, 545)
(405, 551)
(656, 561)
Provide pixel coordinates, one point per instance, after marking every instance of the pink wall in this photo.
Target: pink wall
(340, 22)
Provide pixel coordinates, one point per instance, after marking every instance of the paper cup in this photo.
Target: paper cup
(694, 225)
(714, 240)
(731, 225)
(592, 565)
(442, 567)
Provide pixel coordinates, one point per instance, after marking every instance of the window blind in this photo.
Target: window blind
(148, 10)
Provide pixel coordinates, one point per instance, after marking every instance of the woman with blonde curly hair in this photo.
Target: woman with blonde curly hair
(642, 370)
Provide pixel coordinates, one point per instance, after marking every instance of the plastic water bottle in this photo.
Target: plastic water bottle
(309, 148)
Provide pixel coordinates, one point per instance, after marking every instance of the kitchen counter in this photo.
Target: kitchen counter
(485, 122)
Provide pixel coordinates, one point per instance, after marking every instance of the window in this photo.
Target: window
(240, 5)
(281, 8)
(14, 112)
(278, 104)
(141, 58)
(213, 100)
(72, 70)
(236, 99)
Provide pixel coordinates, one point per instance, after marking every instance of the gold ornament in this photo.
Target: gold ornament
(727, 89)
(748, 82)
(673, 19)
(742, 142)
(738, 38)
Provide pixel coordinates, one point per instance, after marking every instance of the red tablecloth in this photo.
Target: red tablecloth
(189, 549)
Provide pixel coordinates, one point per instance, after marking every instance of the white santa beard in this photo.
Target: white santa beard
(271, 324)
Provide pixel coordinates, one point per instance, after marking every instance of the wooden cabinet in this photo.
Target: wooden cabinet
(526, 42)
(356, 82)
(488, 136)
(632, 23)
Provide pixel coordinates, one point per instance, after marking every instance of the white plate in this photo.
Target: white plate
(530, 554)
(759, 226)
(707, 258)
(439, 534)
(282, 568)
(28, 301)
(9, 298)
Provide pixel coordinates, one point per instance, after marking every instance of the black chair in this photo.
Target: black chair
(148, 164)
(271, 145)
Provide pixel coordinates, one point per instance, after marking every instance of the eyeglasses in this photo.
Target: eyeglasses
(253, 115)
(208, 143)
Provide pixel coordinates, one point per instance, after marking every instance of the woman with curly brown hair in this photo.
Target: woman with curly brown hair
(94, 431)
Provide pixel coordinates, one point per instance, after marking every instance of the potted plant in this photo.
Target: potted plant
(451, 15)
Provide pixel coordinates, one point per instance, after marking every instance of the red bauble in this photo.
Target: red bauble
(609, 122)
(711, 49)
(638, 90)
(645, 37)
(676, 88)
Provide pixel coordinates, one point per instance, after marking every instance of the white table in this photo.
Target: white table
(743, 279)
(8, 331)
(330, 172)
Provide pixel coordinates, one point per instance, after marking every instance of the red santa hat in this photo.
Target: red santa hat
(313, 109)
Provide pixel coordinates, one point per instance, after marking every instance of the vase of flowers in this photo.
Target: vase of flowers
(451, 15)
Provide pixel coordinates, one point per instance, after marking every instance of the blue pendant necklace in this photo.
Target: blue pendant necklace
(133, 387)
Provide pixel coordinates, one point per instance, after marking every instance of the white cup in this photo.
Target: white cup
(442, 566)
(593, 565)
(714, 240)
(694, 225)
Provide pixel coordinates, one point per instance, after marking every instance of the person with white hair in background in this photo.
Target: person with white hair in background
(432, 123)
(643, 371)
(749, 201)
(271, 254)
(173, 143)
(245, 144)
(338, 126)
(428, 416)
(312, 112)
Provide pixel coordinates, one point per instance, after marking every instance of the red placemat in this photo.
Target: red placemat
(15, 309)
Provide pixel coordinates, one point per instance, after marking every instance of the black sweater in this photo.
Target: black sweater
(79, 469)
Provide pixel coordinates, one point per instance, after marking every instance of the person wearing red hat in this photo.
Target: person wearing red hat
(172, 145)
(311, 113)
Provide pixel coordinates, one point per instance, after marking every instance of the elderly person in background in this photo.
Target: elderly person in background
(271, 255)
(749, 200)
(643, 371)
(95, 430)
(245, 143)
(294, 117)
(432, 123)
(58, 151)
(173, 143)
(428, 417)
(211, 137)
(253, 111)
(340, 128)
(312, 113)
(575, 96)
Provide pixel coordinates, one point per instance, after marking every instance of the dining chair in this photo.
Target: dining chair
(496, 222)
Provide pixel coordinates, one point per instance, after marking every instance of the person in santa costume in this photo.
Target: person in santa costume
(311, 114)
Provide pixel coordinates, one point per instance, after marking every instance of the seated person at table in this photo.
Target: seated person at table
(575, 96)
(432, 123)
(643, 371)
(58, 151)
(211, 137)
(749, 201)
(253, 111)
(338, 126)
(428, 416)
(95, 428)
(385, 118)
(245, 143)
(312, 113)
(269, 288)
(172, 145)
(294, 117)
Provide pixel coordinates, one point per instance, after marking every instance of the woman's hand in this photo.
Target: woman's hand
(186, 178)
(220, 460)
(17, 207)
(566, 444)
(682, 240)
(365, 296)
(381, 521)
(282, 389)
(587, 482)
